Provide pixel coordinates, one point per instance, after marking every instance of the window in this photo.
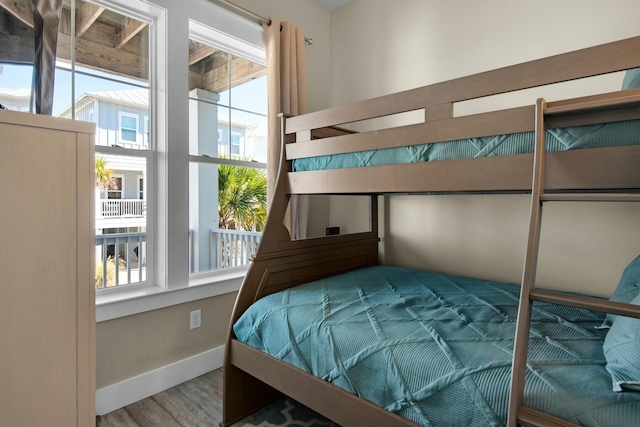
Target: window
(128, 127)
(114, 94)
(118, 185)
(235, 143)
(143, 220)
(227, 172)
(140, 187)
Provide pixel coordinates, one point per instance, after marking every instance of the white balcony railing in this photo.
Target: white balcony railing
(119, 208)
(233, 248)
(229, 248)
(130, 251)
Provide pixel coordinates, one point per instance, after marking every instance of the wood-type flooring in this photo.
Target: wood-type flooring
(195, 403)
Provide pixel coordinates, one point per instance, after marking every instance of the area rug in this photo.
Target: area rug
(288, 413)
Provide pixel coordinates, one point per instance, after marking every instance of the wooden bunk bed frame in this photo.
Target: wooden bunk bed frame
(253, 378)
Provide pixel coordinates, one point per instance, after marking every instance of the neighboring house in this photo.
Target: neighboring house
(121, 117)
(16, 99)
(244, 140)
(122, 120)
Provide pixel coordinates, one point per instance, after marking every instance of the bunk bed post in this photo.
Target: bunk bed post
(528, 277)
(281, 263)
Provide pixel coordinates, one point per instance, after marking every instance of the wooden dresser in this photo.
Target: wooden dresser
(47, 306)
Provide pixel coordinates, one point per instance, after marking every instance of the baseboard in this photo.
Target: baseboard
(119, 395)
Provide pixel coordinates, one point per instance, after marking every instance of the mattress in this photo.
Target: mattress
(590, 136)
(437, 349)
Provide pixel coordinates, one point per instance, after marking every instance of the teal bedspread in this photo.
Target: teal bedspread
(437, 349)
(592, 136)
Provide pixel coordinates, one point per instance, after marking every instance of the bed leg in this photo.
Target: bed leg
(243, 395)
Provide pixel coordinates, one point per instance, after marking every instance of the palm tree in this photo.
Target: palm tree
(242, 197)
(104, 175)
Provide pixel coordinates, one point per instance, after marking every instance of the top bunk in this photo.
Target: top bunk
(593, 141)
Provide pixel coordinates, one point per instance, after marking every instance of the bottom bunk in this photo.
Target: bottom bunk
(434, 349)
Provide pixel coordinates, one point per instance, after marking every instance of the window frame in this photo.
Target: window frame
(167, 201)
(239, 134)
(156, 17)
(128, 115)
(215, 38)
(120, 190)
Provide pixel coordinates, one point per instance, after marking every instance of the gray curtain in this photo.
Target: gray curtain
(46, 17)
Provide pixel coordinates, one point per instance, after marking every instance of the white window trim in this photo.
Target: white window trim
(121, 140)
(169, 121)
(147, 298)
(147, 155)
(212, 37)
(155, 13)
(234, 45)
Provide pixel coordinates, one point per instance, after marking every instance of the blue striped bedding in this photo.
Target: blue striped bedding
(563, 139)
(437, 349)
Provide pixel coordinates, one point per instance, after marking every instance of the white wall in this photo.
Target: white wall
(314, 21)
(379, 47)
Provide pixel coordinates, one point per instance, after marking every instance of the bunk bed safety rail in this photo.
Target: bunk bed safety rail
(321, 147)
(606, 58)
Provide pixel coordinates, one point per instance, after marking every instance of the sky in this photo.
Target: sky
(19, 76)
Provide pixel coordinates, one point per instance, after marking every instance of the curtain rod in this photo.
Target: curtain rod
(242, 11)
(250, 15)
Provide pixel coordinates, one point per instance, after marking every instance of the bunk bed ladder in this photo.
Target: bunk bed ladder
(518, 413)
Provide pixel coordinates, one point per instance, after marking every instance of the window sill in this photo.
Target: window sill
(133, 301)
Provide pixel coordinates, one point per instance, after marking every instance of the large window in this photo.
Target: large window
(102, 65)
(227, 147)
(153, 140)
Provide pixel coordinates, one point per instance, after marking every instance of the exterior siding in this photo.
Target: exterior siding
(109, 118)
(130, 184)
(86, 111)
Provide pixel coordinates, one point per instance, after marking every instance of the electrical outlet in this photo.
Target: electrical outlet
(195, 319)
(332, 231)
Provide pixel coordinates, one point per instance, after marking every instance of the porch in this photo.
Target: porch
(228, 249)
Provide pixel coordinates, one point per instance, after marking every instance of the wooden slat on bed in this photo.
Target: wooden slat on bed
(593, 61)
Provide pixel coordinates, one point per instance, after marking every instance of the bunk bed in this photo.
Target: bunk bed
(559, 376)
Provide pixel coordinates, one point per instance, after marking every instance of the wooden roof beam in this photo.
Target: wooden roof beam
(21, 9)
(86, 15)
(242, 71)
(5, 22)
(125, 32)
(103, 58)
(16, 49)
(96, 49)
(200, 51)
